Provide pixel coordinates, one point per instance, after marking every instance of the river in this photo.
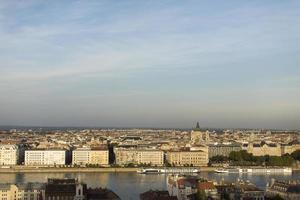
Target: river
(128, 185)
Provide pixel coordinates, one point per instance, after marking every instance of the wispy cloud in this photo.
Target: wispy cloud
(152, 48)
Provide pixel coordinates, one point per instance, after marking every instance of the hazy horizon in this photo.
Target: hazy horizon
(154, 64)
(203, 128)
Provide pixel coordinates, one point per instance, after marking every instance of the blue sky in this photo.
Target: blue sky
(150, 63)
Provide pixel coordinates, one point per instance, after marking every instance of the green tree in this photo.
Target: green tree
(277, 197)
(167, 164)
(201, 195)
(245, 158)
(219, 158)
(129, 165)
(296, 155)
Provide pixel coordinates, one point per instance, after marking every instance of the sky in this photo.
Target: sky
(164, 64)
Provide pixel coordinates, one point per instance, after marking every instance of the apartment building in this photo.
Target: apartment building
(65, 189)
(28, 191)
(94, 156)
(290, 147)
(182, 187)
(285, 189)
(188, 157)
(9, 154)
(139, 156)
(41, 157)
(263, 148)
(222, 149)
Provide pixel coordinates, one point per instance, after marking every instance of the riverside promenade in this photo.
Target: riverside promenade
(32, 169)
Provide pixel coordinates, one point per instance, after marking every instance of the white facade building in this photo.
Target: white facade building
(45, 157)
(9, 154)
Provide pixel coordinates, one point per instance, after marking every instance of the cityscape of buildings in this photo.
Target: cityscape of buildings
(73, 71)
(131, 148)
(138, 147)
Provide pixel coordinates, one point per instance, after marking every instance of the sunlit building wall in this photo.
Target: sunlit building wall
(9, 154)
(45, 157)
(29, 191)
(90, 156)
(139, 156)
(187, 157)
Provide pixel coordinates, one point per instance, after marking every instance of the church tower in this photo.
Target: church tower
(198, 136)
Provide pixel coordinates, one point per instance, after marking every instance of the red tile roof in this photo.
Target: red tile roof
(206, 186)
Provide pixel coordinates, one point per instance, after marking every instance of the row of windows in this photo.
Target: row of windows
(60, 198)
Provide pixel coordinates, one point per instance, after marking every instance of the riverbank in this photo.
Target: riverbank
(26, 169)
(30, 169)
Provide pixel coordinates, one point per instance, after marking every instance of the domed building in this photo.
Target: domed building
(198, 136)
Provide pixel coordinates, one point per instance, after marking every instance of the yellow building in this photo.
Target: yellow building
(188, 157)
(139, 156)
(29, 191)
(86, 156)
(262, 149)
(290, 147)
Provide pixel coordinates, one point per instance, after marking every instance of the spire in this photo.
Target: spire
(197, 127)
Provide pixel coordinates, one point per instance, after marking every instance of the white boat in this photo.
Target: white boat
(287, 170)
(168, 171)
(222, 171)
(149, 171)
(255, 170)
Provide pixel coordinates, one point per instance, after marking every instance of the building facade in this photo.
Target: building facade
(285, 189)
(65, 189)
(222, 149)
(198, 136)
(188, 157)
(45, 157)
(9, 154)
(290, 147)
(247, 191)
(181, 187)
(28, 191)
(90, 156)
(125, 156)
(262, 149)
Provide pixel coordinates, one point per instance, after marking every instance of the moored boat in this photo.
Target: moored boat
(221, 171)
(168, 171)
(256, 170)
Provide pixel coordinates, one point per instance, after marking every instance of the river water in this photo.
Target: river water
(129, 185)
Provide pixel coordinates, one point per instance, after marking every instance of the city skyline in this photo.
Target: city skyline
(150, 64)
